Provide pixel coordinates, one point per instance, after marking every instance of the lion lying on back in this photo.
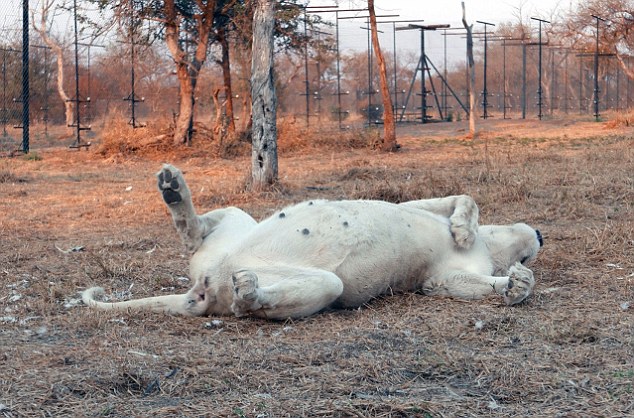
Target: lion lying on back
(327, 254)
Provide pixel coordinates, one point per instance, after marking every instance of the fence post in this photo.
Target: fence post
(25, 76)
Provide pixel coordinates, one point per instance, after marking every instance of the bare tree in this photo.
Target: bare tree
(616, 34)
(472, 75)
(188, 67)
(263, 98)
(389, 128)
(47, 16)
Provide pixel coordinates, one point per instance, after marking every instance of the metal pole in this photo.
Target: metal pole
(4, 92)
(539, 71)
(338, 70)
(504, 78)
(306, 69)
(25, 76)
(580, 86)
(553, 79)
(133, 102)
(369, 74)
(566, 80)
(523, 81)
(606, 97)
(423, 90)
(46, 79)
(539, 82)
(596, 70)
(444, 86)
(77, 100)
(485, 100)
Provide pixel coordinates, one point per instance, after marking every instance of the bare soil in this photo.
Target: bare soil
(73, 219)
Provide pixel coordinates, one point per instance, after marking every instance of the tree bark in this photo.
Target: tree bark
(263, 98)
(389, 127)
(472, 76)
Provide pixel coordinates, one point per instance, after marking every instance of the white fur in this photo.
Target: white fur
(322, 254)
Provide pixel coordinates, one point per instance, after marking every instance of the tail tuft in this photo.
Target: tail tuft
(88, 296)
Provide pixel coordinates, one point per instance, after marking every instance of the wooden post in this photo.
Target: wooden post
(389, 127)
(472, 77)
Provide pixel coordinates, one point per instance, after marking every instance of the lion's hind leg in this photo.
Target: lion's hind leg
(280, 293)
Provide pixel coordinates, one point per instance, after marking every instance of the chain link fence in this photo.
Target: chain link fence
(14, 89)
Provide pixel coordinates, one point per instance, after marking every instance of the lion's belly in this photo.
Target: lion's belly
(374, 247)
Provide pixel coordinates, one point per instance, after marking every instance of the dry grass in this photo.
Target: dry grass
(82, 220)
(619, 119)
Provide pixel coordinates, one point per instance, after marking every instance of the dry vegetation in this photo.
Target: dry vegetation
(75, 219)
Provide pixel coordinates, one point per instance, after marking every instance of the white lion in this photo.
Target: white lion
(337, 254)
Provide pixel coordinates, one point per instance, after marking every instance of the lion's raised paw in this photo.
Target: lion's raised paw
(170, 182)
(520, 286)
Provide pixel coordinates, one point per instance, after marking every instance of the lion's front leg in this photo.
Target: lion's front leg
(177, 196)
(283, 293)
(520, 284)
(462, 212)
(514, 288)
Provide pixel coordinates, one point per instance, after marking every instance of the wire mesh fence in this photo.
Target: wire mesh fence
(66, 88)
(14, 98)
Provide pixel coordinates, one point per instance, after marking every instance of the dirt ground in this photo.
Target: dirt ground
(73, 219)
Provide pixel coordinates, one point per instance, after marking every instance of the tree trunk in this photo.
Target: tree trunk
(187, 68)
(472, 76)
(185, 120)
(69, 108)
(226, 77)
(218, 125)
(263, 99)
(389, 128)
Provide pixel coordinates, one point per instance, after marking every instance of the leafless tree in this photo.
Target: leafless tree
(389, 128)
(616, 33)
(47, 15)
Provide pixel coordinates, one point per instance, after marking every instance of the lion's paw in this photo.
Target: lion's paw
(520, 286)
(171, 184)
(463, 231)
(463, 236)
(245, 293)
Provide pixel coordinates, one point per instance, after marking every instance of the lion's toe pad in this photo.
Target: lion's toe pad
(169, 183)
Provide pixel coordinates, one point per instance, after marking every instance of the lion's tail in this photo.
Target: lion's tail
(173, 304)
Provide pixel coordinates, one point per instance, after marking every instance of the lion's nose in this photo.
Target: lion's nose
(539, 238)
